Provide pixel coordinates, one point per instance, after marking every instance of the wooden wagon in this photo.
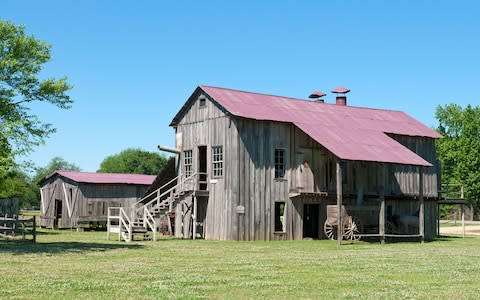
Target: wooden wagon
(350, 229)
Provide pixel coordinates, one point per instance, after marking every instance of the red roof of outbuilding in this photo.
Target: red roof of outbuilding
(350, 133)
(111, 178)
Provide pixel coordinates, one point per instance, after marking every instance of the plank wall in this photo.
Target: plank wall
(86, 201)
(241, 203)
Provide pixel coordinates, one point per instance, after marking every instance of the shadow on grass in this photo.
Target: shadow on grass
(27, 247)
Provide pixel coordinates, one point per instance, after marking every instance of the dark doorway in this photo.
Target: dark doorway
(311, 220)
(201, 216)
(202, 167)
(58, 212)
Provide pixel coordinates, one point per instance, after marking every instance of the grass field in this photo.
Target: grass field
(84, 265)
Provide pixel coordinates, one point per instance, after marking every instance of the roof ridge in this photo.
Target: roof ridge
(299, 99)
(103, 173)
(256, 93)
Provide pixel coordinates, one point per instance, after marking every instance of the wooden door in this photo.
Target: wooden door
(305, 175)
(311, 221)
(202, 167)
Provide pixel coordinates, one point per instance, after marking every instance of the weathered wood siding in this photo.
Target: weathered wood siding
(406, 178)
(88, 202)
(251, 183)
(241, 203)
(207, 126)
(318, 170)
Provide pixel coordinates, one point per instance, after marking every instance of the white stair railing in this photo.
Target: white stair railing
(163, 199)
(126, 223)
(149, 221)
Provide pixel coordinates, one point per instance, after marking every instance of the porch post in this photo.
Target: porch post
(194, 217)
(421, 213)
(339, 202)
(381, 221)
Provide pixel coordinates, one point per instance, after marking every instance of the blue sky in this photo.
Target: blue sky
(134, 63)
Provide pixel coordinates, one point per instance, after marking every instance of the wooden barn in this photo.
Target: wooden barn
(253, 166)
(81, 199)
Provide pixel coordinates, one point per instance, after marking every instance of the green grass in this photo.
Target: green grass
(84, 265)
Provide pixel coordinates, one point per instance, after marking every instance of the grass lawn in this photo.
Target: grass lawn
(84, 265)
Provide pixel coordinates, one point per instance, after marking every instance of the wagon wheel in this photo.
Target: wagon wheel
(330, 230)
(356, 229)
(353, 228)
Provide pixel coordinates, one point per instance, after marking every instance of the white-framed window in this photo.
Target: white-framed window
(188, 162)
(279, 157)
(217, 161)
(280, 216)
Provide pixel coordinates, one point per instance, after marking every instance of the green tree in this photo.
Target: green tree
(21, 60)
(134, 161)
(459, 150)
(56, 163)
(16, 184)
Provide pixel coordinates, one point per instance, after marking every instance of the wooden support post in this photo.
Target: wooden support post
(421, 214)
(34, 230)
(339, 202)
(108, 224)
(194, 217)
(463, 212)
(438, 220)
(381, 221)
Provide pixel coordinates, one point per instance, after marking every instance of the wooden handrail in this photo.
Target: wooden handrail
(125, 220)
(150, 221)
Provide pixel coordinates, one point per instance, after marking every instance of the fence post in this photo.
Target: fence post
(34, 230)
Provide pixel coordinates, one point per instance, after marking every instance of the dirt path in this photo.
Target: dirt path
(470, 230)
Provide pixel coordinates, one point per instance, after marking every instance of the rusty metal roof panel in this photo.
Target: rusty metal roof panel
(351, 133)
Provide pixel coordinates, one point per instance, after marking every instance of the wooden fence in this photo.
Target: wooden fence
(13, 228)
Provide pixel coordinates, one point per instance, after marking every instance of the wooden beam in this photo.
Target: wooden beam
(339, 202)
(69, 209)
(194, 217)
(169, 149)
(421, 214)
(463, 212)
(381, 220)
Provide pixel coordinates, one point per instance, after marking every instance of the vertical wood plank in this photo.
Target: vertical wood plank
(339, 202)
(421, 214)
(381, 221)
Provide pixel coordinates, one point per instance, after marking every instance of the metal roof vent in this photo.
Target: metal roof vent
(341, 98)
(317, 95)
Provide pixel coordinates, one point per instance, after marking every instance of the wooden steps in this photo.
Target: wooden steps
(144, 217)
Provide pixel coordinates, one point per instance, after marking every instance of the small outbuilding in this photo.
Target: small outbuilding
(81, 199)
(9, 206)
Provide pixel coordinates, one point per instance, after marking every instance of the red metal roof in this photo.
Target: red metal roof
(350, 133)
(90, 177)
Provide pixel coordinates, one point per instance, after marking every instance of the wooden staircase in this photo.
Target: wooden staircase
(144, 215)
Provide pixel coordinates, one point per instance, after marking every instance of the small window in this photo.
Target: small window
(187, 162)
(217, 161)
(203, 102)
(279, 163)
(280, 216)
